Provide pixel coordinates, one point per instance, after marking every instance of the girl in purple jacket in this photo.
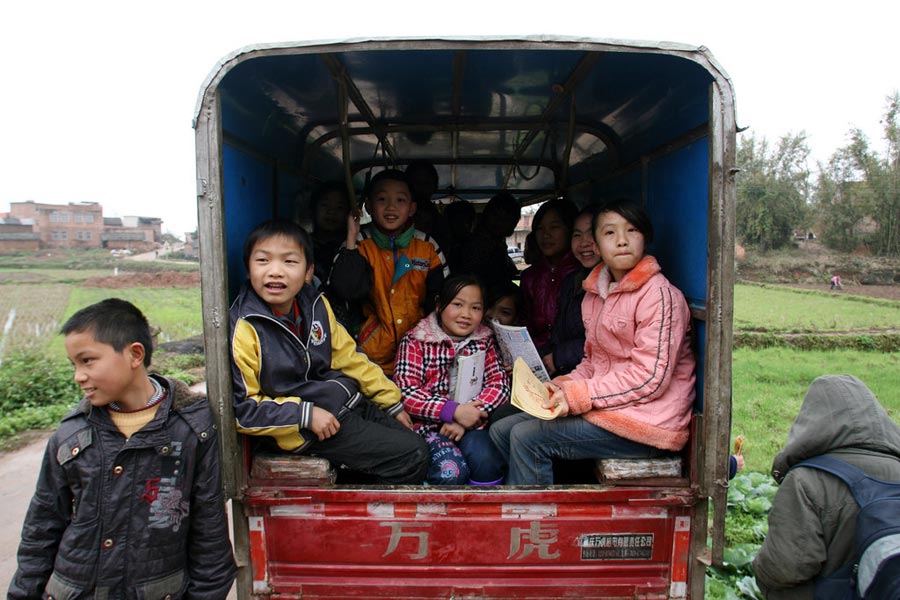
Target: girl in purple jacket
(632, 393)
(431, 365)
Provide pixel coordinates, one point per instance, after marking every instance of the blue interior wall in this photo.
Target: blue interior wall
(248, 198)
(678, 201)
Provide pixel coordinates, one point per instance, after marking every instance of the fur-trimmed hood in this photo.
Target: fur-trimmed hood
(429, 331)
(600, 278)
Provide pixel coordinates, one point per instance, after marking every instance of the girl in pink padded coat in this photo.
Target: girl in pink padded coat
(632, 393)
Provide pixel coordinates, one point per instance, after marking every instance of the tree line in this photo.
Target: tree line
(851, 202)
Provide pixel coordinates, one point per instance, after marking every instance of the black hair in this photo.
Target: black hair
(390, 174)
(420, 164)
(631, 211)
(461, 209)
(452, 286)
(327, 188)
(563, 207)
(278, 227)
(504, 202)
(503, 289)
(115, 322)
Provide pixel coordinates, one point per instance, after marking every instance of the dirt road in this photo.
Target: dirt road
(18, 476)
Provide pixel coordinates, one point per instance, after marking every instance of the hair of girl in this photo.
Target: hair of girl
(502, 290)
(453, 286)
(632, 212)
(563, 207)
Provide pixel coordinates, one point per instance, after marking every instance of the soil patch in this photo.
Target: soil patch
(151, 280)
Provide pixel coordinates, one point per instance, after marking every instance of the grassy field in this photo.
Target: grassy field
(38, 310)
(769, 386)
(768, 308)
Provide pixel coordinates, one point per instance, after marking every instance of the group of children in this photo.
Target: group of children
(378, 401)
(609, 325)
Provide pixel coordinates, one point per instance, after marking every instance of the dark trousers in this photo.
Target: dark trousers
(371, 442)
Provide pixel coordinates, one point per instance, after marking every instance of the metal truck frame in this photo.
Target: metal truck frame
(537, 116)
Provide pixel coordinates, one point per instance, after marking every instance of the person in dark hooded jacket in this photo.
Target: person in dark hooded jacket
(813, 517)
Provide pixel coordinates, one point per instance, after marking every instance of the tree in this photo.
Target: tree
(860, 184)
(772, 190)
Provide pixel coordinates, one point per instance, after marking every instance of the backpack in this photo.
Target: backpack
(874, 573)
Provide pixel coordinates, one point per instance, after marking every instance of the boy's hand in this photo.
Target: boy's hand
(324, 424)
(557, 402)
(352, 228)
(405, 419)
(470, 415)
(453, 431)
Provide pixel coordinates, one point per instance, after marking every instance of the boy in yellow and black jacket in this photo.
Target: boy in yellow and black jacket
(298, 377)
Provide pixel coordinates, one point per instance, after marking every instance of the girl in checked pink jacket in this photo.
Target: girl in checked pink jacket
(426, 372)
(632, 393)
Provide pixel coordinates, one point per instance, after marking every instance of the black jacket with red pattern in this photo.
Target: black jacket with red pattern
(142, 518)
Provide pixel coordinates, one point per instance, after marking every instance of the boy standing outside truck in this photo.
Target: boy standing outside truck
(298, 376)
(390, 266)
(129, 499)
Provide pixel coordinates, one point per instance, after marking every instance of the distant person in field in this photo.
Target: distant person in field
(836, 283)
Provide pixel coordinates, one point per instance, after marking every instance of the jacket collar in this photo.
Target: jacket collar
(599, 279)
(387, 242)
(429, 331)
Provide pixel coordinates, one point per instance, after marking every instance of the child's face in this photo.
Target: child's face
(552, 235)
(391, 205)
(103, 374)
(621, 244)
(331, 213)
(463, 315)
(583, 246)
(278, 269)
(503, 311)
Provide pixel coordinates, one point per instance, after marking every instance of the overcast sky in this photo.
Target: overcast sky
(97, 97)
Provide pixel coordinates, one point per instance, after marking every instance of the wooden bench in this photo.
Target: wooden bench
(640, 471)
(294, 468)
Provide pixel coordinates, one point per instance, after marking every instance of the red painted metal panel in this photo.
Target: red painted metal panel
(427, 543)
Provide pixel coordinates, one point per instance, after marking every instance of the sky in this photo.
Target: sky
(97, 98)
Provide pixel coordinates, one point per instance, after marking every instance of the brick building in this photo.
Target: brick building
(73, 225)
(35, 225)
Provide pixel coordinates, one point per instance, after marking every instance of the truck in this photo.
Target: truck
(540, 117)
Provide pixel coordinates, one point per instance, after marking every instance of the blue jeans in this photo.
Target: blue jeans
(529, 445)
(473, 460)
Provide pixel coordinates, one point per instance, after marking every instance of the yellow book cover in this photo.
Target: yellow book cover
(529, 393)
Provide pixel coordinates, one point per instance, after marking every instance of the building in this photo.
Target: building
(75, 225)
(17, 236)
(35, 225)
(137, 234)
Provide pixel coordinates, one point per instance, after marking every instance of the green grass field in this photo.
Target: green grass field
(776, 309)
(39, 309)
(769, 386)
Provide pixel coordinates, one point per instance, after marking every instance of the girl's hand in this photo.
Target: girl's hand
(453, 431)
(470, 415)
(405, 420)
(557, 403)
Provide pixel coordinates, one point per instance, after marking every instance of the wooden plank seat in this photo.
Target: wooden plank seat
(644, 471)
(296, 468)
